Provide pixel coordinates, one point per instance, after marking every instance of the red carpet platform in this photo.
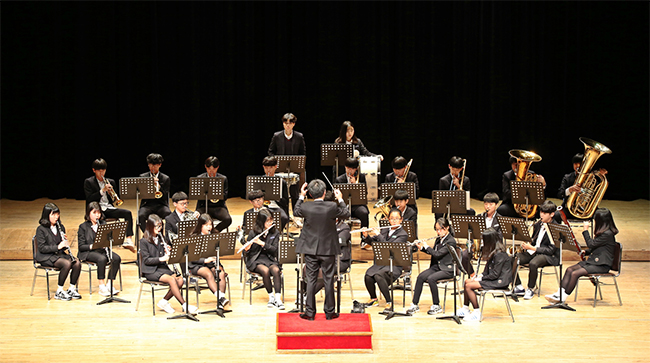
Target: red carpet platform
(350, 333)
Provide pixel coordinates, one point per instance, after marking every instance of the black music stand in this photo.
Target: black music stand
(292, 164)
(219, 244)
(384, 255)
(335, 154)
(287, 254)
(249, 220)
(208, 188)
(458, 266)
(470, 228)
(527, 192)
(185, 228)
(104, 239)
(389, 189)
(514, 229)
(449, 201)
(409, 227)
(137, 188)
(270, 185)
(355, 194)
(179, 252)
(563, 235)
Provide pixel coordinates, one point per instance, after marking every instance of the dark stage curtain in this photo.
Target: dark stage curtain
(426, 80)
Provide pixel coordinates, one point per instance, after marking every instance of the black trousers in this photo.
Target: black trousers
(431, 275)
(534, 262)
(220, 214)
(121, 213)
(100, 258)
(143, 213)
(314, 263)
(361, 212)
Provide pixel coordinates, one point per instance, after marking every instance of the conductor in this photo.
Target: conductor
(318, 241)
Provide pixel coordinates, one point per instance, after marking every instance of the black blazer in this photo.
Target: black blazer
(85, 238)
(318, 236)
(602, 248)
(567, 181)
(48, 244)
(276, 147)
(270, 249)
(546, 247)
(440, 255)
(498, 269)
(222, 202)
(165, 184)
(93, 192)
(399, 236)
(411, 178)
(505, 185)
(445, 183)
(171, 224)
(150, 254)
(495, 223)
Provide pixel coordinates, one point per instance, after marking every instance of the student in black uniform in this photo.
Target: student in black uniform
(399, 164)
(86, 237)
(181, 213)
(352, 176)
(154, 254)
(218, 211)
(53, 250)
(288, 142)
(497, 274)
(206, 267)
(382, 275)
(452, 180)
(601, 253)
(507, 208)
(490, 203)
(348, 136)
(158, 206)
(262, 256)
(270, 165)
(441, 268)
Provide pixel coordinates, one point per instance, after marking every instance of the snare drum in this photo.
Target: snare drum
(290, 178)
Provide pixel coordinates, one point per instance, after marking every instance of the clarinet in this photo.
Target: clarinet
(67, 249)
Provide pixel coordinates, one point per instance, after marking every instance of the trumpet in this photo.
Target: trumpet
(113, 194)
(158, 193)
(67, 249)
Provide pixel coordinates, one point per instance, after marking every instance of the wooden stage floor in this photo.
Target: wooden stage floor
(35, 329)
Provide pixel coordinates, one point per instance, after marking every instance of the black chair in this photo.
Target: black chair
(613, 274)
(38, 267)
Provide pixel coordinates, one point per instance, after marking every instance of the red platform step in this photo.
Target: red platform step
(350, 333)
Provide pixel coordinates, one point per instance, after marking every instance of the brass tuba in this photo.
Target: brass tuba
(583, 204)
(524, 159)
(384, 205)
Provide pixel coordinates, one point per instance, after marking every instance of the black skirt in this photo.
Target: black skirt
(155, 276)
(594, 269)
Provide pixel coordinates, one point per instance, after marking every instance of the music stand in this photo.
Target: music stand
(208, 188)
(104, 239)
(458, 266)
(291, 163)
(409, 227)
(137, 188)
(385, 253)
(335, 154)
(449, 201)
(470, 228)
(185, 228)
(271, 186)
(180, 252)
(527, 192)
(514, 229)
(563, 235)
(219, 244)
(389, 189)
(250, 217)
(287, 254)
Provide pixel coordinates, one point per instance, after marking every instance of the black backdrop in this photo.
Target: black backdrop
(426, 80)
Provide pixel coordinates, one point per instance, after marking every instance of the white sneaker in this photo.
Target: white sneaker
(435, 309)
(190, 308)
(464, 311)
(279, 304)
(62, 295)
(271, 302)
(529, 294)
(115, 291)
(103, 291)
(475, 316)
(553, 298)
(413, 309)
(166, 306)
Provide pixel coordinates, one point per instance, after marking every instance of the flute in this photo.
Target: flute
(251, 241)
(370, 229)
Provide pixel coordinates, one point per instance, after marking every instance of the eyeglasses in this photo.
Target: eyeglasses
(182, 203)
(394, 219)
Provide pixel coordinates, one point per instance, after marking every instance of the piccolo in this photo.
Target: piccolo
(370, 229)
(251, 241)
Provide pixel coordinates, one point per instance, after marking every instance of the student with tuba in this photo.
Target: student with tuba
(520, 161)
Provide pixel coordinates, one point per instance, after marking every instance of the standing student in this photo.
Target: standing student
(288, 142)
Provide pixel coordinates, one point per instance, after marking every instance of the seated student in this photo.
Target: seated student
(53, 250)
(601, 253)
(352, 176)
(541, 253)
(506, 208)
(270, 165)
(206, 267)
(490, 202)
(98, 189)
(86, 237)
(154, 254)
(262, 256)
(452, 181)
(441, 268)
(399, 164)
(497, 274)
(401, 198)
(256, 199)
(382, 275)
(569, 186)
(158, 206)
(218, 211)
(181, 213)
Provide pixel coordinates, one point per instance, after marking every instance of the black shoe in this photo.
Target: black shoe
(331, 316)
(306, 317)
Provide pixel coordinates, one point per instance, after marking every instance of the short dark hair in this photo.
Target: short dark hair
(399, 162)
(91, 207)
(577, 158)
(512, 160)
(329, 196)
(178, 196)
(548, 207)
(395, 210)
(289, 117)
(99, 164)
(401, 195)
(456, 162)
(491, 198)
(255, 194)
(48, 208)
(212, 161)
(154, 158)
(316, 188)
(270, 161)
(442, 222)
(352, 163)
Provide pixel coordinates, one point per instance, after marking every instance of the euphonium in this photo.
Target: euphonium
(524, 159)
(117, 201)
(384, 205)
(593, 185)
